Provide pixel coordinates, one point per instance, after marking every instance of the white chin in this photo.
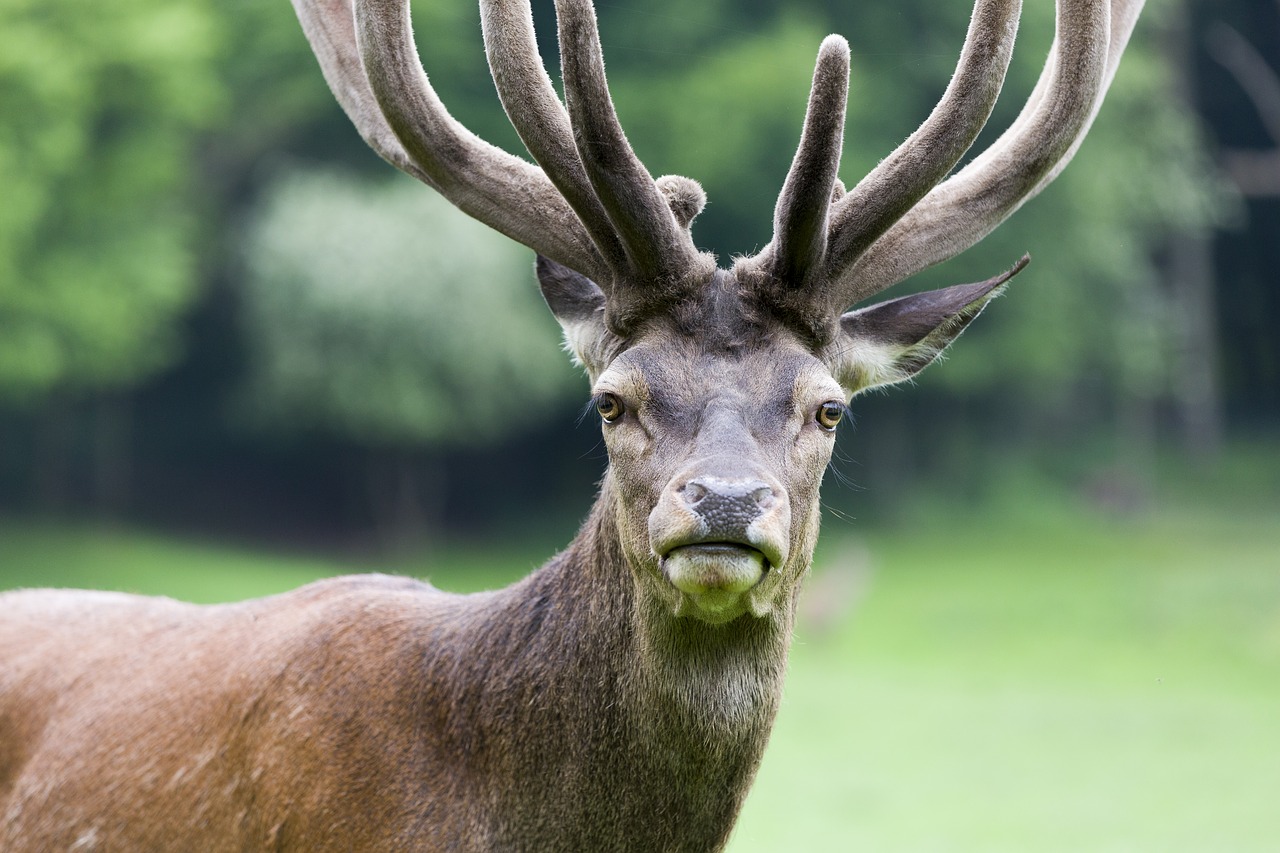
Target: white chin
(714, 578)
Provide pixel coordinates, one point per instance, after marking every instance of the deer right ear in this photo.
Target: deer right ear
(578, 304)
(893, 341)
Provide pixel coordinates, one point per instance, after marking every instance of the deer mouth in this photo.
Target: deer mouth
(714, 576)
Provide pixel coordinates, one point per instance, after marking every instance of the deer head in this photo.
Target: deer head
(720, 390)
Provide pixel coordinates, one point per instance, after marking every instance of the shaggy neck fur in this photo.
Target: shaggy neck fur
(642, 730)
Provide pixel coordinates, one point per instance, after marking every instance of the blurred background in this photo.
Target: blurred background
(237, 351)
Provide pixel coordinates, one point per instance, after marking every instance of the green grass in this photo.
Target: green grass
(996, 684)
(1072, 686)
(59, 556)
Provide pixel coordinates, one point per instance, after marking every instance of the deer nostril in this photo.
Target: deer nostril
(694, 493)
(727, 503)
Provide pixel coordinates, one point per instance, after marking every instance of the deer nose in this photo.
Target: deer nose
(727, 507)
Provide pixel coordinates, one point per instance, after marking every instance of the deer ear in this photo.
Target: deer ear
(578, 305)
(893, 341)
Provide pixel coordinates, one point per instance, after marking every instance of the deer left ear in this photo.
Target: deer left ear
(893, 341)
(578, 305)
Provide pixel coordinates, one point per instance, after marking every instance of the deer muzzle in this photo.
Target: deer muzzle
(714, 575)
(718, 539)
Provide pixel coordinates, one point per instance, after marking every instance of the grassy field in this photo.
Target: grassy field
(1071, 683)
(1065, 687)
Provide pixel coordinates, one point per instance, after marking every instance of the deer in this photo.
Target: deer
(621, 696)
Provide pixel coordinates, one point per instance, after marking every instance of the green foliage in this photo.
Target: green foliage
(100, 103)
(274, 93)
(728, 120)
(451, 47)
(380, 313)
(131, 132)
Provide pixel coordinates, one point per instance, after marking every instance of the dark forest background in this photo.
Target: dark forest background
(220, 314)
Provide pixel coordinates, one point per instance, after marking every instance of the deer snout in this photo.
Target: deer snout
(727, 507)
(718, 537)
(706, 509)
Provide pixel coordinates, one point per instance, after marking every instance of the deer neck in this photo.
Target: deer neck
(671, 714)
(716, 678)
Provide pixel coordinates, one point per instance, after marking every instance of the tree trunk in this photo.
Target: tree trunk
(1196, 389)
(112, 457)
(1194, 383)
(51, 461)
(406, 499)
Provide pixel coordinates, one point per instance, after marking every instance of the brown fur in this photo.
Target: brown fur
(375, 713)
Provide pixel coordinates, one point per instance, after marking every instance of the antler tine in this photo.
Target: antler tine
(539, 118)
(370, 63)
(330, 28)
(1091, 36)
(929, 154)
(1124, 15)
(659, 250)
(800, 218)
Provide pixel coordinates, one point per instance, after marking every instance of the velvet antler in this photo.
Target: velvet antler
(907, 214)
(591, 205)
(380, 84)
(1091, 36)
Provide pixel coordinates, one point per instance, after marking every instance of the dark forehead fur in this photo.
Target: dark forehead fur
(717, 346)
(721, 319)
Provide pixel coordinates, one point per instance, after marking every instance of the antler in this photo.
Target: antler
(591, 206)
(397, 112)
(1091, 36)
(903, 216)
(901, 179)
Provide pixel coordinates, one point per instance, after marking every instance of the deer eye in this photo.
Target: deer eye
(609, 407)
(829, 415)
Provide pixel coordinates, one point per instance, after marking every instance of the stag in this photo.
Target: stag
(620, 697)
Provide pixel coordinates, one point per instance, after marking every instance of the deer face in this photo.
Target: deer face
(720, 419)
(717, 451)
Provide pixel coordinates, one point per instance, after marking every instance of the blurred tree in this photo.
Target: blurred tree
(378, 313)
(1116, 314)
(1238, 91)
(727, 119)
(1098, 326)
(101, 106)
(1255, 171)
